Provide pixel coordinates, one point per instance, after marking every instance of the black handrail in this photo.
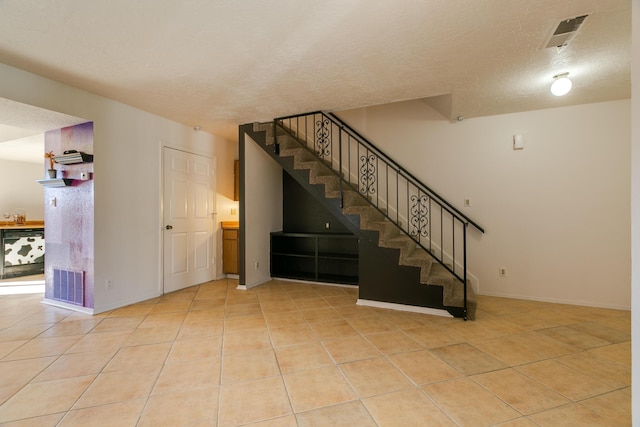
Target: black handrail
(399, 168)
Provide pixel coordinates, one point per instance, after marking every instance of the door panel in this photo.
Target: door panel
(189, 243)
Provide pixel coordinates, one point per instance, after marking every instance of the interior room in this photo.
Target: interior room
(319, 213)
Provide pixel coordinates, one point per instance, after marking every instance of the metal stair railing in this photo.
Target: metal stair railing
(421, 213)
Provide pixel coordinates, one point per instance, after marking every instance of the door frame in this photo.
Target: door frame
(161, 224)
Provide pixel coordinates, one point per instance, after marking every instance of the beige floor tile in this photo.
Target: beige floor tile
(182, 408)
(117, 386)
(469, 404)
(75, 327)
(599, 368)
(10, 346)
(200, 329)
(320, 315)
(287, 421)
(312, 303)
(371, 325)
(468, 359)
(153, 335)
(333, 329)
(352, 312)
(619, 353)
(603, 331)
(403, 321)
(566, 381)
(244, 324)
(195, 349)
(23, 331)
(249, 365)
(518, 422)
(171, 307)
(350, 414)
(187, 376)
(472, 331)
(393, 342)
(285, 319)
(75, 365)
(423, 367)
(108, 342)
(135, 310)
(432, 336)
(267, 399)
(35, 399)
(282, 337)
(242, 310)
(43, 347)
(163, 320)
(207, 304)
(570, 416)
(407, 408)
(317, 388)
(614, 406)
(115, 414)
(574, 337)
(302, 356)
(237, 297)
(15, 374)
(278, 306)
(122, 323)
(523, 348)
(341, 300)
(349, 349)
(521, 392)
(252, 340)
(148, 356)
(43, 421)
(374, 376)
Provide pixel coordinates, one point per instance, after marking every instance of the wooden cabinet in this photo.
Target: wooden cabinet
(230, 247)
(331, 258)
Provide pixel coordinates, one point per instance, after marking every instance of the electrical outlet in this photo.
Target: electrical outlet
(327, 225)
(502, 271)
(108, 284)
(467, 202)
(257, 265)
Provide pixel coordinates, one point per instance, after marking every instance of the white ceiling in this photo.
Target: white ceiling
(220, 63)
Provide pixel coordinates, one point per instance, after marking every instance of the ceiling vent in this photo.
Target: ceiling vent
(565, 31)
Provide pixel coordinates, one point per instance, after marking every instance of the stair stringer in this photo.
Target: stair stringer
(411, 269)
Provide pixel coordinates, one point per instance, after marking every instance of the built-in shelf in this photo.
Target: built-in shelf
(56, 182)
(315, 256)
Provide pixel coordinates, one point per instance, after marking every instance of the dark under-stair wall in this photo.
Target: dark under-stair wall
(301, 212)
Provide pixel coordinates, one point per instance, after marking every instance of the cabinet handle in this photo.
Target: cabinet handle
(169, 227)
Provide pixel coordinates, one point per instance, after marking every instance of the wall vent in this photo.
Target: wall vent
(565, 32)
(68, 286)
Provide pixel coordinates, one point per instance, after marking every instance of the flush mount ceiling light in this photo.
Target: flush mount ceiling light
(561, 84)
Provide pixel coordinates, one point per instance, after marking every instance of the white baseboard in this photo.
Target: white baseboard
(73, 307)
(403, 307)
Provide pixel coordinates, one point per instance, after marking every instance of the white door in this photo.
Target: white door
(189, 244)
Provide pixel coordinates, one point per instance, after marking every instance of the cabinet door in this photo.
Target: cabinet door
(230, 252)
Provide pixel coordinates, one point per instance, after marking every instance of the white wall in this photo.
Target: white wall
(19, 189)
(127, 164)
(262, 210)
(556, 214)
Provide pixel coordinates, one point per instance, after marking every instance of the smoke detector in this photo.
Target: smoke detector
(565, 32)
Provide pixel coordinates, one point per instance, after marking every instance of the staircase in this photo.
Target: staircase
(406, 216)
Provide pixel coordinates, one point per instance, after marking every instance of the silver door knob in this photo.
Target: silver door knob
(169, 227)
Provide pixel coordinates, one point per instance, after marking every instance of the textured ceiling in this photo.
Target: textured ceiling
(221, 63)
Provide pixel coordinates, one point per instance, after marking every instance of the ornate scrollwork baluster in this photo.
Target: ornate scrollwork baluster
(368, 174)
(323, 138)
(419, 216)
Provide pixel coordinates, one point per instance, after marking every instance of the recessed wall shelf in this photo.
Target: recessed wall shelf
(56, 182)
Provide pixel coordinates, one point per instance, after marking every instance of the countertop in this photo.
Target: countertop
(9, 225)
(230, 224)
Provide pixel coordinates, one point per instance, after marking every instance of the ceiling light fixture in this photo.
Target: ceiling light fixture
(561, 84)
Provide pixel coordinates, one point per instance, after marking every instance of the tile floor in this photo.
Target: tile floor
(292, 354)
